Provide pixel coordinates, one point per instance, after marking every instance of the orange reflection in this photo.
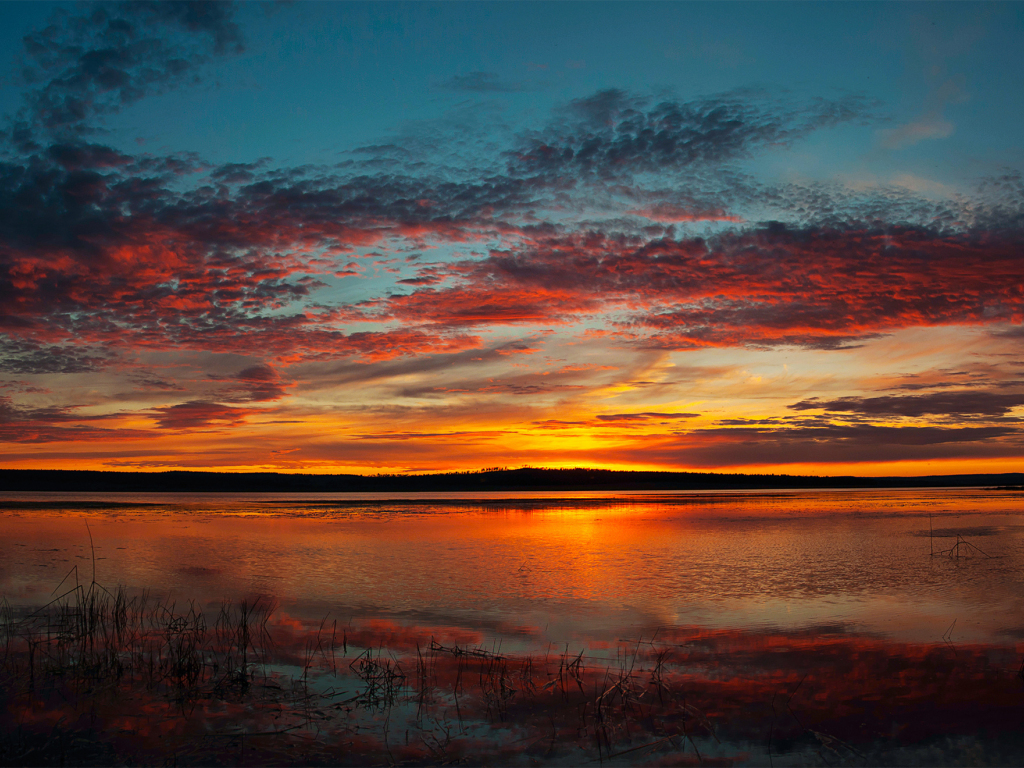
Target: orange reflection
(593, 568)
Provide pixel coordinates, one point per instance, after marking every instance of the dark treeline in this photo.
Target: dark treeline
(524, 479)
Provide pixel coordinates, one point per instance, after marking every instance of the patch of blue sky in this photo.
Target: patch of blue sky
(317, 79)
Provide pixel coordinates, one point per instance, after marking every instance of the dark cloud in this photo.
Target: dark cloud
(257, 383)
(421, 435)
(968, 403)
(10, 413)
(1011, 332)
(1004, 195)
(151, 261)
(864, 434)
(911, 386)
(143, 263)
(154, 383)
(54, 424)
(613, 132)
(22, 356)
(198, 414)
(42, 433)
(257, 373)
(522, 389)
(236, 173)
(772, 444)
(113, 54)
(749, 422)
(76, 156)
(645, 416)
(23, 387)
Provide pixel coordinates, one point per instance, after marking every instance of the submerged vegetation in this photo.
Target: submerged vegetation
(100, 677)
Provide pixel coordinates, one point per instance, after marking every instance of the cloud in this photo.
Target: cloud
(522, 389)
(257, 383)
(184, 266)
(107, 255)
(114, 54)
(645, 416)
(927, 127)
(111, 255)
(772, 444)
(9, 413)
(963, 403)
(41, 433)
(675, 213)
(823, 287)
(613, 133)
(1012, 332)
(57, 424)
(23, 387)
(420, 435)
(866, 434)
(22, 356)
(346, 373)
(944, 88)
(198, 414)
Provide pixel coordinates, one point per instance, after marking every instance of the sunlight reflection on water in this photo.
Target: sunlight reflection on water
(550, 567)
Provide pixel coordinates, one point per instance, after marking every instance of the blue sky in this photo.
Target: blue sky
(318, 79)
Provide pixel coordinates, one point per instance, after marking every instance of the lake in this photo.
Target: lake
(744, 628)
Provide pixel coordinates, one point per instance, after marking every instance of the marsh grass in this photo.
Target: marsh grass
(80, 670)
(961, 547)
(90, 650)
(111, 677)
(89, 639)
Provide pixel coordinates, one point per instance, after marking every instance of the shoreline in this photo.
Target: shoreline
(497, 481)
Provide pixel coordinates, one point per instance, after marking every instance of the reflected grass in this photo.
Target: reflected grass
(103, 677)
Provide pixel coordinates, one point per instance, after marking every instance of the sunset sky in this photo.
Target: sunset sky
(327, 237)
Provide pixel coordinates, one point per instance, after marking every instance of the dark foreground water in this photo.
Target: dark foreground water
(825, 627)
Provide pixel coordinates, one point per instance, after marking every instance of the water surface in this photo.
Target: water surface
(552, 566)
(751, 628)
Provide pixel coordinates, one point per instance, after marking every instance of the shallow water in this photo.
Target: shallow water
(551, 567)
(845, 603)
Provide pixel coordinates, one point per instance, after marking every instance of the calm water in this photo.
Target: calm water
(767, 628)
(549, 567)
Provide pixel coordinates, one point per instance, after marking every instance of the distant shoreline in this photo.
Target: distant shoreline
(503, 480)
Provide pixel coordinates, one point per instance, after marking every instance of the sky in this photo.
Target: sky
(345, 237)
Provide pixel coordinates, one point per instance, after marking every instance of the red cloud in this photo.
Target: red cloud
(122, 261)
(675, 213)
(197, 413)
(816, 287)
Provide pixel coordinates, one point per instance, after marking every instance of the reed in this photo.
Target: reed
(383, 677)
(75, 673)
(961, 548)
